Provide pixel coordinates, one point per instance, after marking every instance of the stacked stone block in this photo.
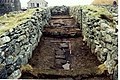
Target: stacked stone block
(101, 35)
(17, 44)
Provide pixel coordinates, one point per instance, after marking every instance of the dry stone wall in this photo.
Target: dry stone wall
(100, 34)
(17, 44)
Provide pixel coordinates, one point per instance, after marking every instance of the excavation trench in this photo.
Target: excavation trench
(62, 54)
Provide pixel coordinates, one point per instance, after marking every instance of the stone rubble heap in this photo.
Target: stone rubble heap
(101, 35)
(60, 10)
(17, 44)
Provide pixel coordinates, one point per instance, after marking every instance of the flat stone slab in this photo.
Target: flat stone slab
(60, 61)
(60, 56)
(59, 52)
(64, 45)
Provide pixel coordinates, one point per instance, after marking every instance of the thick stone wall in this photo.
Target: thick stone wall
(59, 10)
(100, 33)
(17, 44)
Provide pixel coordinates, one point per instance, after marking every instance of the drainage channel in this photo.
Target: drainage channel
(63, 55)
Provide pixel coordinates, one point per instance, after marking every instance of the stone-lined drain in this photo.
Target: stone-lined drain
(62, 55)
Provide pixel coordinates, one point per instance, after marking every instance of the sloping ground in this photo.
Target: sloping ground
(13, 19)
(54, 51)
(103, 2)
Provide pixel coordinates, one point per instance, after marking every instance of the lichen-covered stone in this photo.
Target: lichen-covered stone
(3, 72)
(17, 44)
(60, 10)
(100, 33)
(15, 75)
(5, 39)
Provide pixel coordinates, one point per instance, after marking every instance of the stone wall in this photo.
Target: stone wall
(17, 44)
(59, 10)
(100, 33)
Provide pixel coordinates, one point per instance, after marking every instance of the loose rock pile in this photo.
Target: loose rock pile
(60, 10)
(100, 34)
(17, 44)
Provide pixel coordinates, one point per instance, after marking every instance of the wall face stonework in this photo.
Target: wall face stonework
(100, 33)
(17, 44)
(59, 10)
(99, 29)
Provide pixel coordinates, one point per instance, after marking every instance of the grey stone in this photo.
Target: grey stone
(15, 75)
(109, 46)
(115, 18)
(103, 43)
(115, 55)
(2, 53)
(59, 52)
(104, 26)
(115, 15)
(105, 50)
(10, 50)
(1, 59)
(32, 41)
(114, 39)
(29, 50)
(11, 30)
(14, 36)
(110, 31)
(60, 61)
(64, 45)
(3, 72)
(115, 74)
(22, 37)
(96, 42)
(17, 48)
(5, 39)
(109, 56)
(103, 33)
(57, 10)
(60, 56)
(66, 66)
(24, 58)
(10, 59)
(101, 56)
(10, 69)
(98, 47)
(110, 64)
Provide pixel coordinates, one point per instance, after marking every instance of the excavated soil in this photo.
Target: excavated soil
(81, 56)
(54, 52)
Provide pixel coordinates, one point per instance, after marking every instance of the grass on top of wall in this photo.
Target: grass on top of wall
(11, 20)
(93, 11)
(103, 2)
(97, 11)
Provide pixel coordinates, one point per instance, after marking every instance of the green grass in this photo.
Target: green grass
(97, 11)
(13, 20)
(94, 11)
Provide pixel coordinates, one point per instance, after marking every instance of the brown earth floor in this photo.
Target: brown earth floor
(81, 56)
(81, 59)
